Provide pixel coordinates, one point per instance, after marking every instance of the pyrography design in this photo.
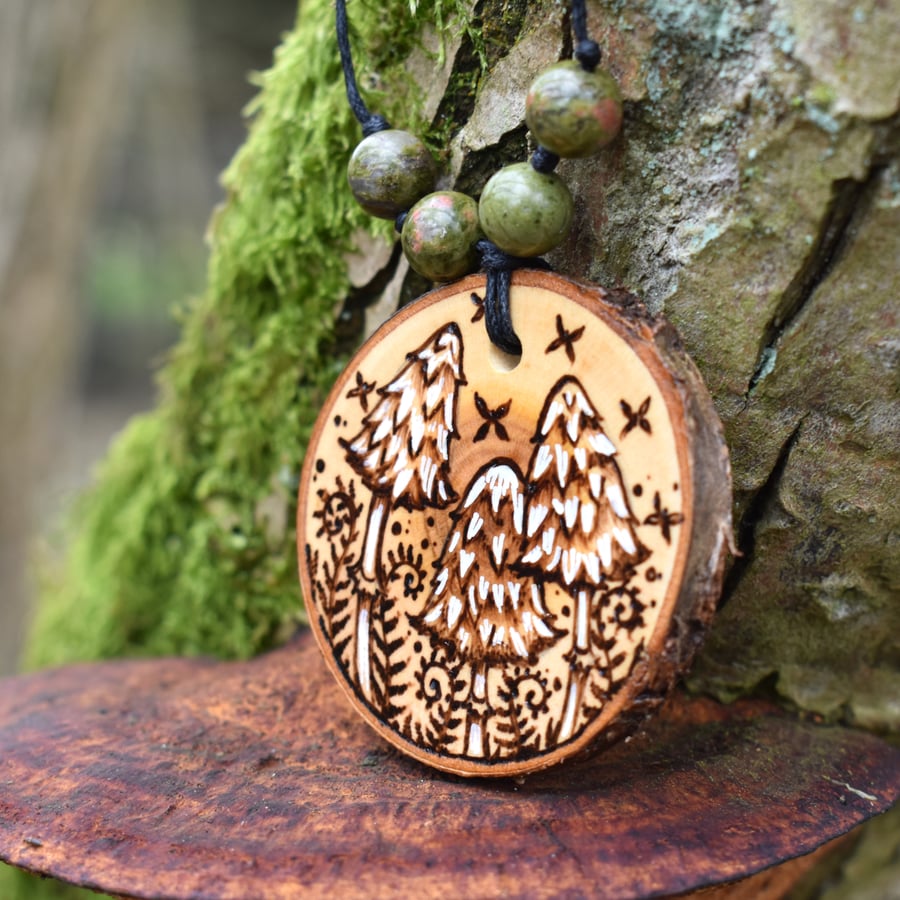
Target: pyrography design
(479, 603)
(489, 615)
(402, 455)
(580, 531)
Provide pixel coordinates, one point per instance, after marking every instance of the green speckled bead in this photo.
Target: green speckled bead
(573, 112)
(525, 212)
(439, 235)
(389, 171)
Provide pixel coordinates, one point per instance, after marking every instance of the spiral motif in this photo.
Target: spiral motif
(435, 683)
(534, 694)
(339, 513)
(407, 571)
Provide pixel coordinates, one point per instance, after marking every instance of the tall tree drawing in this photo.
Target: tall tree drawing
(478, 603)
(579, 530)
(402, 454)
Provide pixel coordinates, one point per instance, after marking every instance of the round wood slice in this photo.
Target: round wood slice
(190, 779)
(507, 561)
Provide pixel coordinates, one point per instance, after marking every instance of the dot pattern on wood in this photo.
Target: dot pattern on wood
(492, 549)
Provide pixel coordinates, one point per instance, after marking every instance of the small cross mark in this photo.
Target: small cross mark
(362, 390)
(479, 312)
(491, 418)
(663, 518)
(565, 339)
(636, 418)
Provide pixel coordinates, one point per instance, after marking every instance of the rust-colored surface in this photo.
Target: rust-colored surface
(771, 884)
(195, 779)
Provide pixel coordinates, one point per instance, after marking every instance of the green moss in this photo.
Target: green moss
(185, 544)
(486, 40)
(16, 885)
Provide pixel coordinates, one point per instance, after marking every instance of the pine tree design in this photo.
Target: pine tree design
(579, 530)
(402, 455)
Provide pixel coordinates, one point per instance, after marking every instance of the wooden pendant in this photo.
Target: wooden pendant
(508, 561)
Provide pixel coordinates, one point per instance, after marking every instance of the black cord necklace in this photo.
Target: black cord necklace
(509, 510)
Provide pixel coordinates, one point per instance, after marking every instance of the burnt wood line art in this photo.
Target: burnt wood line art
(478, 600)
(565, 339)
(492, 419)
(361, 391)
(481, 617)
(478, 315)
(581, 531)
(498, 556)
(446, 638)
(402, 455)
(338, 515)
(663, 518)
(635, 418)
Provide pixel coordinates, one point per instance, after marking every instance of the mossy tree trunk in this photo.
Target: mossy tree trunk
(753, 198)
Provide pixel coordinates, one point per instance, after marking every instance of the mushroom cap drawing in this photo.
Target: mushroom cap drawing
(403, 446)
(579, 529)
(478, 602)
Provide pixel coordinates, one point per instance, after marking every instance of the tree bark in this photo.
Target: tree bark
(752, 199)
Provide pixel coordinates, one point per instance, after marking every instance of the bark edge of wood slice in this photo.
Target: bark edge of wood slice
(509, 561)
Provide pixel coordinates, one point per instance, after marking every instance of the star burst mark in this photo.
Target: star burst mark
(663, 518)
(362, 390)
(565, 339)
(492, 419)
(636, 418)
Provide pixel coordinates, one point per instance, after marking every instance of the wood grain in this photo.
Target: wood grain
(176, 778)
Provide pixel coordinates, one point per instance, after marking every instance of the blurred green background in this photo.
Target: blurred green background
(116, 117)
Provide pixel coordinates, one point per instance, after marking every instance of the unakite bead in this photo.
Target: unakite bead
(525, 212)
(439, 235)
(389, 171)
(573, 112)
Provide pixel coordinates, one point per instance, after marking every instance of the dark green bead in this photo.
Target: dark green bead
(439, 235)
(389, 171)
(525, 212)
(573, 112)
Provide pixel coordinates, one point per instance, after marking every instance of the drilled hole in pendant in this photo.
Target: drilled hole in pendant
(502, 361)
